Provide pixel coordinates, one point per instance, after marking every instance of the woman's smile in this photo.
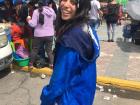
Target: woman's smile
(68, 9)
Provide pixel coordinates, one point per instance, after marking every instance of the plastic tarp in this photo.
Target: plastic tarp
(15, 1)
(1, 1)
(133, 9)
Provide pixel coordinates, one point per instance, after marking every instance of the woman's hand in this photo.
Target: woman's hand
(28, 18)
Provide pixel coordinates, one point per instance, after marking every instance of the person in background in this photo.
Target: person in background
(111, 19)
(8, 12)
(42, 21)
(42, 54)
(53, 5)
(31, 8)
(16, 32)
(28, 33)
(73, 81)
(95, 14)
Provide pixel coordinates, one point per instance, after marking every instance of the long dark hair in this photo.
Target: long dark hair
(41, 16)
(42, 3)
(82, 16)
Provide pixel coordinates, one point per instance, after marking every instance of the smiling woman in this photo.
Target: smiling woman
(73, 81)
(67, 13)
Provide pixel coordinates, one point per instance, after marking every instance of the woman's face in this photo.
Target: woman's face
(68, 9)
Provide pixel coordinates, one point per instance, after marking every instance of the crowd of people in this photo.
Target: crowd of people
(25, 26)
(26, 30)
(112, 16)
(75, 24)
(42, 21)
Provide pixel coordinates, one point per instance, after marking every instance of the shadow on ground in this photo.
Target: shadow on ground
(4, 72)
(121, 92)
(127, 46)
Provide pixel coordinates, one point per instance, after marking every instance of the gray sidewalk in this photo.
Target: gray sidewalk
(118, 59)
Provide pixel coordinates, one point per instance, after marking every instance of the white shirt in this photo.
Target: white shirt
(95, 6)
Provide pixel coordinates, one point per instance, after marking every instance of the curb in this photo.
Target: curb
(119, 83)
(45, 70)
(101, 80)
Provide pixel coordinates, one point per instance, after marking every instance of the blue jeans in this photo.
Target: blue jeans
(111, 30)
(94, 24)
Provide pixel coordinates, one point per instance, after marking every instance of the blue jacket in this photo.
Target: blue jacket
(73, 81)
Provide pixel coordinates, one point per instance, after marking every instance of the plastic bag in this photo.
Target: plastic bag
(22, 52)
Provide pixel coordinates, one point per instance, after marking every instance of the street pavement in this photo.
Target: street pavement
(20, 88)
(118, 59)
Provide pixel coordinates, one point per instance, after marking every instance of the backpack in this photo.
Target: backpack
(114, 13)
(113, 9)
(127, 31)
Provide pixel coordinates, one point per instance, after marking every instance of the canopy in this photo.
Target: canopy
(1, 1)
(15, 1)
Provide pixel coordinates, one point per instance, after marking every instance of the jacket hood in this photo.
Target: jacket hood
(48, 11)
(87, 47)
